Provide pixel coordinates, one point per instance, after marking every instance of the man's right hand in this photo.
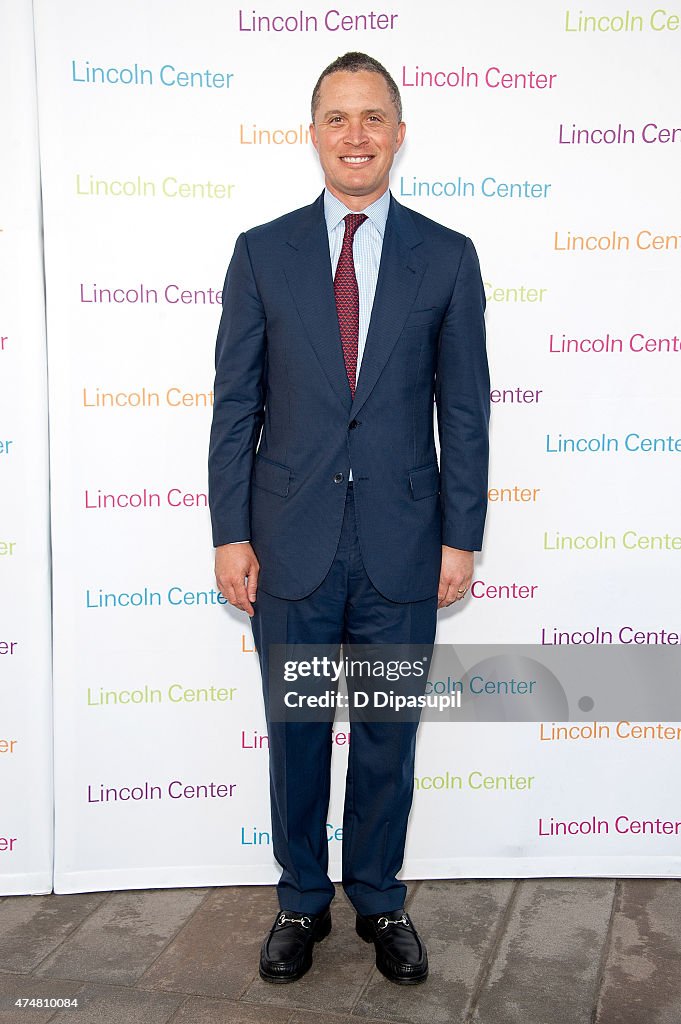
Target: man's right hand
(236, 573)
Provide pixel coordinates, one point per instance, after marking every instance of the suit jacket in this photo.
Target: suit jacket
(286, 429)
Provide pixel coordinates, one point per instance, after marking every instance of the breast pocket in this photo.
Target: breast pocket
(271, 476)
(421, 318)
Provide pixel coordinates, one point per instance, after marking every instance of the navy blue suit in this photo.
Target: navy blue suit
(285, 433)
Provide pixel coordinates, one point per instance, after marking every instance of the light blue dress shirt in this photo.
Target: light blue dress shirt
(366, 250)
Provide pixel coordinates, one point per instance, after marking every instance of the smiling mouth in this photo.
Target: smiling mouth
(356, 160)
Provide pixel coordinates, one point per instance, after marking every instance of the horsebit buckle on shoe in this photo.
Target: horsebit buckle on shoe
(383, 922)
(304, 920)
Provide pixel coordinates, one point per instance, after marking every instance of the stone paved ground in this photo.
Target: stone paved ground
(535, 951)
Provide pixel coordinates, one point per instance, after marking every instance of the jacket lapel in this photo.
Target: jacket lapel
(308, 273)
(399, 278)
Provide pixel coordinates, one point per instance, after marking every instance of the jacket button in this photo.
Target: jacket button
(353, 424)
(338, 479)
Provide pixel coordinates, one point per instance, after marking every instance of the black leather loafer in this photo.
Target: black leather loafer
(400, 954)
(286, 953)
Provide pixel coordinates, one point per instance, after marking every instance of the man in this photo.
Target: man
(342, 323)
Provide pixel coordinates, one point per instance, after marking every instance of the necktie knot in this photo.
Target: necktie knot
(352, 222)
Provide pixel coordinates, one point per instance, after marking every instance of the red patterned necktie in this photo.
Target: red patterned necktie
(347, 298)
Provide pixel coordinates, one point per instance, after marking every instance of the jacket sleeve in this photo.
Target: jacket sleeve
(462, 398)
(238, 399)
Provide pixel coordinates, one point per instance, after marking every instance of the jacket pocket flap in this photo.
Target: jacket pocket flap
(424, 481)
(271, 476)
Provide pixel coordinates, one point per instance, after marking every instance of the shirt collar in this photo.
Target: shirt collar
(377, 212)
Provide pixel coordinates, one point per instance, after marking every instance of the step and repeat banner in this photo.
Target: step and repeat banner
(26, 833)
(550, 135)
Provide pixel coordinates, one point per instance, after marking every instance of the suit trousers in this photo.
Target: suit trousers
(344, 609)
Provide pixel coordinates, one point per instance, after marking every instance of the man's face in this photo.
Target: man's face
(356, 134)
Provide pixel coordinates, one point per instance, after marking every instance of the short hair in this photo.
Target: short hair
(355, 61)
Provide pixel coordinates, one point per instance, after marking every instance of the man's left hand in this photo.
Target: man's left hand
(456, 574)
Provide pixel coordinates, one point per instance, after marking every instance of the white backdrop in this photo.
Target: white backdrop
(154, 123)
(26, 834)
